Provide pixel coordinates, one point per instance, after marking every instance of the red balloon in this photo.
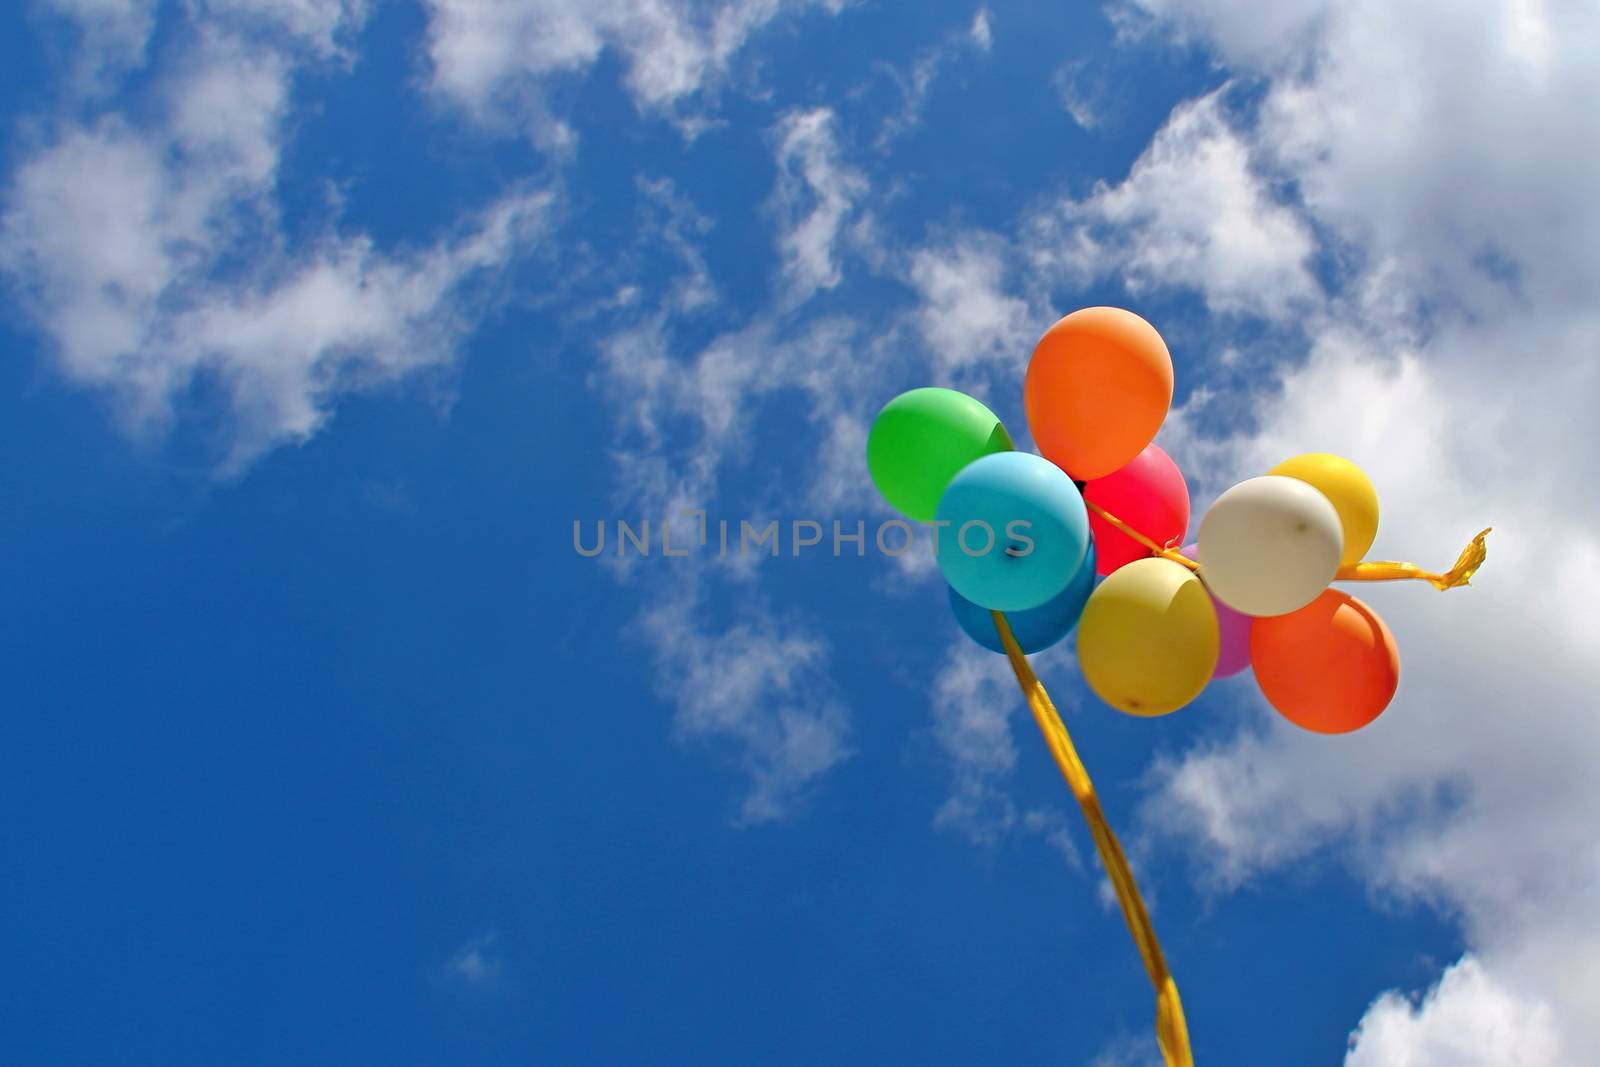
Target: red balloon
(1150, 495)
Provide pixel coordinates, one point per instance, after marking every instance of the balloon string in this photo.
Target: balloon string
(1466, 566)
(1171, 1031)
(1165, 551)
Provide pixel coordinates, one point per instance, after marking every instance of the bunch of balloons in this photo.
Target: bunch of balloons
(1087, 535)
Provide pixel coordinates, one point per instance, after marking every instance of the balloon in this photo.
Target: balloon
(921, 439)
(1233, 630)
(1147, 642)
(1097, 389)
(1016, 531)
(1331, 667)
(1035, 629)
(1269, 545)
(1149, 495)
(1347, 489)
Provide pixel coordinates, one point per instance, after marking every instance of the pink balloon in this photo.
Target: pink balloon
(1233, 653)
(1149, 495)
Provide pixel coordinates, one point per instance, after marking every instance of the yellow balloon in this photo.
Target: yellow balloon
(1348, 489)
(1148, 640)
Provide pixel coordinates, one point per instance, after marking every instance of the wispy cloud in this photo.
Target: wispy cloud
(762, 685)
(816, 194)
(974, 701)
(966, 311)
(149, 251)
(683, 417)
(741, 679)
(494, 58)
(114, 33)
(680, 226)
(915, 82)
(1129, 1051)
(317, 24)
(1082, 97)
(476, 964)
(981, 30)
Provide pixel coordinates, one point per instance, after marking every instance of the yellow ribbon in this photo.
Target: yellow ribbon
(1467, 563)
(1171, 1031)
(1164, 551)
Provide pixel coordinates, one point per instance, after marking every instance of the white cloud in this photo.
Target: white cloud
(965, 312)
(915, 86)
(740, 677)
(680, 418)
(1129, 1051)
(1081, 99)
(916, 82)
(981, 31)
(975, 697)
(1467, 1020)
(815, 196)
(1255, 32)
(317, 23)
(1443, 155)
(476, 963)
(114, 31)
(678, 225)
(1398, 122)
(760, 684)
(1193, 212)
(495, 57)
(1474, 789)
(150, 255)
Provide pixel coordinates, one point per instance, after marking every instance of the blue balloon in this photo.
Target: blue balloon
(1035, 629)
(1016, 531)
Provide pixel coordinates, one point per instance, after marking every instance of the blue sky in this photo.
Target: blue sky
(327, 318)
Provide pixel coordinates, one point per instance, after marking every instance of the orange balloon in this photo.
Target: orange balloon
(1331, 666)
(1098, 387)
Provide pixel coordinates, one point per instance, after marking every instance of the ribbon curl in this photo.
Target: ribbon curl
(1467, 565)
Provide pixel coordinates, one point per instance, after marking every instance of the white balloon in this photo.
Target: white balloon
(1270, 545)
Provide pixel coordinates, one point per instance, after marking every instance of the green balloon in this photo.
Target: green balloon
(922, 439)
